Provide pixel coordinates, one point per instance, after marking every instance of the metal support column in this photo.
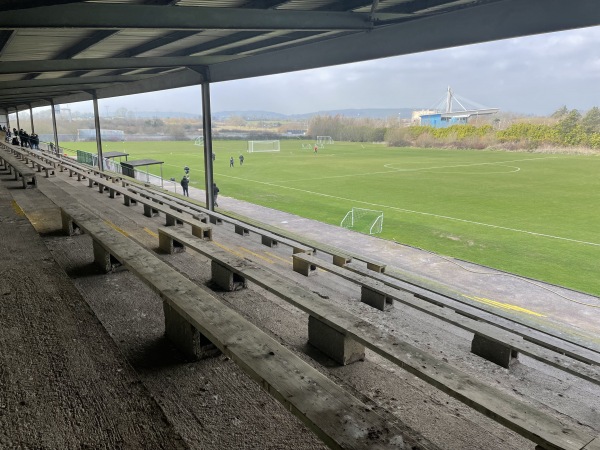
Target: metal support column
(18, 123)
(207, 133)
(31, 119)
(56, 147)
(97, 125)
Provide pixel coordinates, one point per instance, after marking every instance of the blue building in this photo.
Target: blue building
(443, 120)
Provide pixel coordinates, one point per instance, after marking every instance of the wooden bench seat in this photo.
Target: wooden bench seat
(267, 238)
(196, 321)
(578, 338)
(539, 337)
(42, 166)
(489, 342)
(151, 208)
(343, 337)
(19, 169)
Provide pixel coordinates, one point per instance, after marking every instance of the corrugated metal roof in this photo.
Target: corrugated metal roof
(64, 49)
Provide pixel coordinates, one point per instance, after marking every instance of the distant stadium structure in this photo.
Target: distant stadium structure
(437, 118)
(89, 134)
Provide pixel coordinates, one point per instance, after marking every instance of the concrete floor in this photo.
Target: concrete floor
(211, 404)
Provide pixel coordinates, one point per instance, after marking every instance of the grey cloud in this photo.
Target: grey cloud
(535, 74)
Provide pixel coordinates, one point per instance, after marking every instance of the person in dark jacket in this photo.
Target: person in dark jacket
(185, 181)
(34, 141)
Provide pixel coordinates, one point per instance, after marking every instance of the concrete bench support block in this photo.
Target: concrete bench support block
(202, 232)
(169, 245)
(187, 338)
(215, 220)
(334, 344)
(379, 268)
(201, 217)
(241, 230)
(375, 299)
(104, 259)
(149, 211)
(225, 278)
(341, 261)
(269, 241)
(493, 351)
(68, 226)
(170, 220)
(303, 267)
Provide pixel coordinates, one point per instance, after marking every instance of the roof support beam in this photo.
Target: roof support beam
(123, 16)
(49, 90)
(61, 65)
(481, 23)
(54, 82)
(7, 5)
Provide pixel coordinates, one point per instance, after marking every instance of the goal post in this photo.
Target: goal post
(263, 146)
(363, 220)
(321, 140)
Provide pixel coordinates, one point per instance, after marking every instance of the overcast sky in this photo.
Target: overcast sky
(532, 75)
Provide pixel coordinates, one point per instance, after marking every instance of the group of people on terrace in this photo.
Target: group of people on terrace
(22, 138)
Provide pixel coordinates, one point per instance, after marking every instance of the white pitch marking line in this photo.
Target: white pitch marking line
(420, 212)
(415, 170)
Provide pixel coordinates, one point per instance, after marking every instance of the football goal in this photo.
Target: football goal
(199, 141)
(321, 140)
(263, 146)
(363, 220)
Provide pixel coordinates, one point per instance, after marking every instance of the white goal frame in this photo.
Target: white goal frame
(352, 216)
(264, 146)
(321, 140)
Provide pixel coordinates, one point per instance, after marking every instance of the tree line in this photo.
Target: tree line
(564, 128)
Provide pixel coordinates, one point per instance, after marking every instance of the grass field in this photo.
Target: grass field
(536, 215)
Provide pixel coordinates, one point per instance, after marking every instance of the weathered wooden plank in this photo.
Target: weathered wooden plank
(434, 293)
(557, 343)
(341, 420)
(561, 362)
(509, 411)
(239, 225)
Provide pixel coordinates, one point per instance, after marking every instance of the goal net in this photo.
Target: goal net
(322, 140)
(363, 220)
(263, 146)
(199, 141)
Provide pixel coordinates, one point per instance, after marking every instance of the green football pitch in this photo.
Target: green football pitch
(536, 215)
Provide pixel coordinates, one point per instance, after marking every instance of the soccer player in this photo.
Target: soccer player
(231, 162)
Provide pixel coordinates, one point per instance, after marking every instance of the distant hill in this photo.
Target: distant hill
(374, 113)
